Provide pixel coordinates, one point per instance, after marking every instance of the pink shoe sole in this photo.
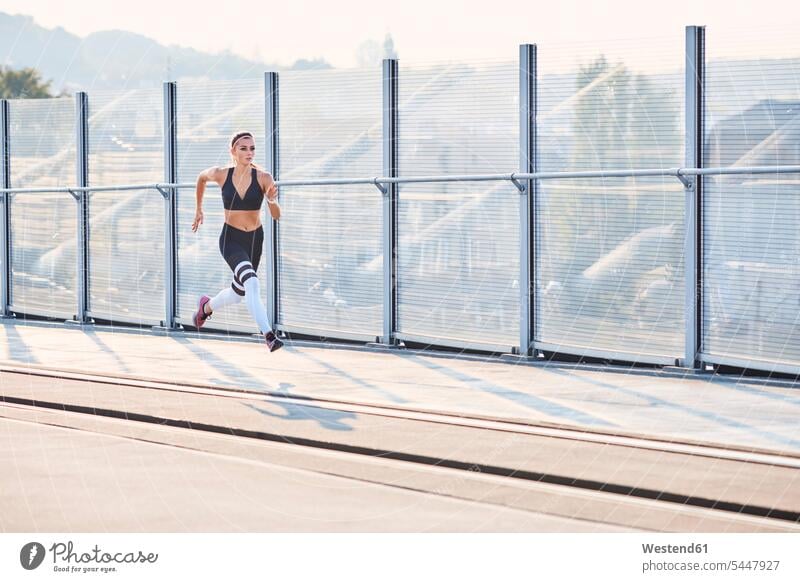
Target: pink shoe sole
(200, 316)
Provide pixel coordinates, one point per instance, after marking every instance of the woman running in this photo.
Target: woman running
(244, 187)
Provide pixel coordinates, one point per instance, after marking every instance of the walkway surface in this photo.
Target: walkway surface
(745, 413)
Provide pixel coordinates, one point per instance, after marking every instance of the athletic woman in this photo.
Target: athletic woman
(244, 186)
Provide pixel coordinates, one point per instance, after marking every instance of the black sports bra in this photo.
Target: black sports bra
(252, 197)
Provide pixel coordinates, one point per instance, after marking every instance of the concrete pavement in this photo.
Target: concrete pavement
(739, 412)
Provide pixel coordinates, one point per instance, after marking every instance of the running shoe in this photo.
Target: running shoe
(273, 343)
(200, 317)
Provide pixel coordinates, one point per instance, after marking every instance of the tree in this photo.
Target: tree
(601, 115)
(599, 131)
(619, 121)
(23, 84)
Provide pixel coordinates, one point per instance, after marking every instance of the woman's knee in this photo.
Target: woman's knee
(250, 283)
(242, 273)
(238, 290)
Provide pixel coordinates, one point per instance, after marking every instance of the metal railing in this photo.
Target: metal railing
(168, 189)
(165, 187)
(526, 179)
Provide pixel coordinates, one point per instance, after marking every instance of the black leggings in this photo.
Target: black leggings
(238, 248)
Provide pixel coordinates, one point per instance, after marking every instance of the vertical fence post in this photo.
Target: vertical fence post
(390, 201)
(5, 240)
(170, 207)
(272, 161)
(695, 79)
(527, 199)
(82, 197)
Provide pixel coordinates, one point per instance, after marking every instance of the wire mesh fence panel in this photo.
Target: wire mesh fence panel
(458, 243)
(609, 255)
(126, 228)
(751, 246)
(330, 260)
(43, 226)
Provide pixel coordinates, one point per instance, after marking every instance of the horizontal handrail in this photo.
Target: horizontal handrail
(53, 190)
(73, 189)
(513, 176)
(329, 181)
(742, 170)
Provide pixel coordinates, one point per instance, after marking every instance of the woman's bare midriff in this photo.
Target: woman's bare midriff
(243, 219)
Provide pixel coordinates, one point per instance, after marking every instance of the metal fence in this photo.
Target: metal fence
(598, 209)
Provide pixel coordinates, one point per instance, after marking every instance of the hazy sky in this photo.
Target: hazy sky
(423, 30)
